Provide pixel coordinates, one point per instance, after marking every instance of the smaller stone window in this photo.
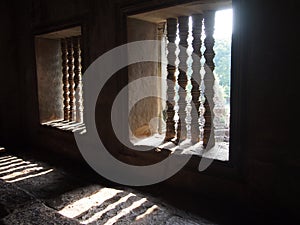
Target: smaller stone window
(59, 77)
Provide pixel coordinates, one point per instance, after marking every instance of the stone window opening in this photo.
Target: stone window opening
(209, 123)
(59, 76)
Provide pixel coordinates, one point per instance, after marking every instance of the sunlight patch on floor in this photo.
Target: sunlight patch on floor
(23, 172)
(149, 211)
(98, 215)
(18, 168)
(84, 204)
(14, 169)
(31, 176)
(125, 211)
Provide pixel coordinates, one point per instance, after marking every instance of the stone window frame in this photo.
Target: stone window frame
(53, 88)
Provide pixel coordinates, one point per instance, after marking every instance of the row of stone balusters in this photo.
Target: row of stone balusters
(182, 24)
(72, 79)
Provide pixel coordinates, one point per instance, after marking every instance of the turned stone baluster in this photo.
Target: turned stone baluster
(71, 78)
(209, 80)
(65, 75)
(171, 57)
(78, 79)
(182, 79)
(196, 76)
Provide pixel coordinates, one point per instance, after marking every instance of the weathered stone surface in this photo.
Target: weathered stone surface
(176, 220)
(12, 197)
(37, 214)
(58, 197)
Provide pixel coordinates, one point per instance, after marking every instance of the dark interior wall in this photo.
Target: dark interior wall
(271, 161)
(264, 161)
(40, 17)
(10, 104)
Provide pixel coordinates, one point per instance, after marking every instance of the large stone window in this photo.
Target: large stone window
(196, 29)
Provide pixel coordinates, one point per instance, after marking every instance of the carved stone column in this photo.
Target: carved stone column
(196, 76)
(65, 75)
(171, 57)
(71, 78)
(209, 79)
(78, 79)
(183, 22)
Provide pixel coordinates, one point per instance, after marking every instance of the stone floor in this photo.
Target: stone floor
(32, 192)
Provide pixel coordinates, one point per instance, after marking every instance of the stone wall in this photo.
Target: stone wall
(263, 168)
(49, 75)
(143, 116)
(11, 103)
